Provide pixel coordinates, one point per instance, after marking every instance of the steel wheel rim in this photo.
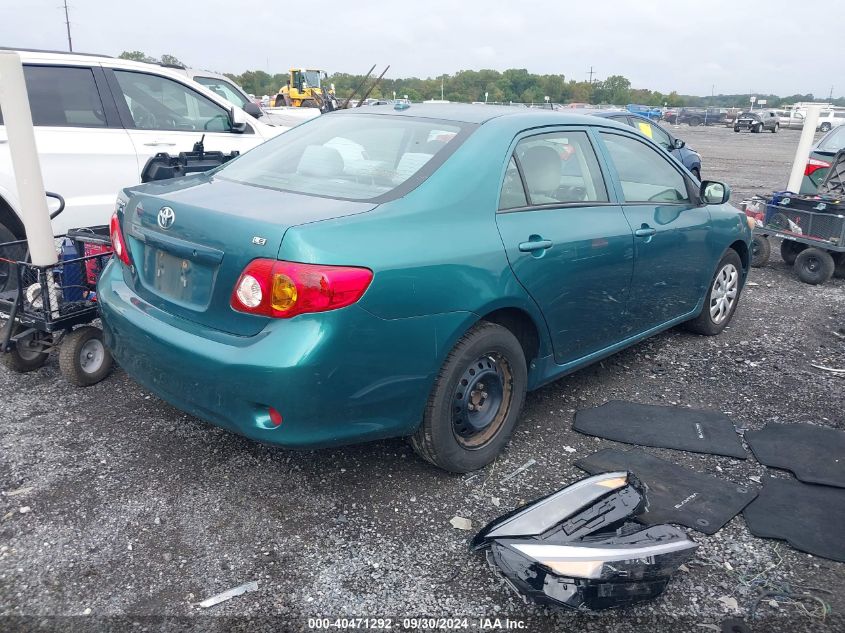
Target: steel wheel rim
(29, 348)
(91, 355)
(724, 293)
(481, 400)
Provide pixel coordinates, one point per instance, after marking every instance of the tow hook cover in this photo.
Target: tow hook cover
(576, 548)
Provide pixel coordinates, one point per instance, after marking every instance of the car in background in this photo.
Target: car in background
(819, 162)
(650, 112)
(97, 122)
(700, 116)
(757, 121)
(829, 119)
(791, 119)
(687, 156)
(386, 272)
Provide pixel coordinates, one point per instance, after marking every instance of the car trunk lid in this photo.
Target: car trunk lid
(189, 244)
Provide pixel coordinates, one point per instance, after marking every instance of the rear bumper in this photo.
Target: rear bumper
(338, 377)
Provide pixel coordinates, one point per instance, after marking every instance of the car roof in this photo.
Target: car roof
(476, 114)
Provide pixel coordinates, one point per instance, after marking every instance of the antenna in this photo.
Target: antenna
(67, 24)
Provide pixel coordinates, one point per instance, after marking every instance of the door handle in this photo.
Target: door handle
(645, 231)
(534, 245)
(159, 144)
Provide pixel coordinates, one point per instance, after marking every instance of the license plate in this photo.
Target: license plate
(177, 279)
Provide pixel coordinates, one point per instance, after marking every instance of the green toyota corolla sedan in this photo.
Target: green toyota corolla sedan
(412, 271)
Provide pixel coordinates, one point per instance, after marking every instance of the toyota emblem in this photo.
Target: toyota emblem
(166, 216)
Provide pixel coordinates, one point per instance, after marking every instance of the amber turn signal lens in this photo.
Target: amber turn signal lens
(284, 292)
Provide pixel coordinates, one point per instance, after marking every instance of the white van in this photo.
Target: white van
(99, 119)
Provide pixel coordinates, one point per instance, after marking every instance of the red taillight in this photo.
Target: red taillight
(118, 244)
(814, 164)
(282, 289)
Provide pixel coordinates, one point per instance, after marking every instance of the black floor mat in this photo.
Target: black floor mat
(665, 427)
(809, 517)
(675, 494)
(815, 454)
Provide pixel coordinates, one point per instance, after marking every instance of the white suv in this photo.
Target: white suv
(829, 119)
(99, 119)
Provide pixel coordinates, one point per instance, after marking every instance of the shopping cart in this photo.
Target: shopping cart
(43, 308)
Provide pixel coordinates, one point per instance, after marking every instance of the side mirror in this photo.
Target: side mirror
(678, 144)
(238, 119)
(253, 110)
(712, 192)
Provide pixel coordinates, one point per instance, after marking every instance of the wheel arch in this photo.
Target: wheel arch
(521, 325)
(10, 219)
(741, 249)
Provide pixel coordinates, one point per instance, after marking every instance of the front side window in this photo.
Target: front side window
(223, 89)
(645, 174)
(159, 103)
(63, 96)
(354, 157)
(560, 168)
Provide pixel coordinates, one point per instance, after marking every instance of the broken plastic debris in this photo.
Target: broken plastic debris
(229, 594)
(461, 523)
(569, 449)
(25, 509)
(525, 466)
(19, 491)
(833, 370)
(729, 602)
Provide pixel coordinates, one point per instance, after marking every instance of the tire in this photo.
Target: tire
(28, 355)
(694, 121)
(776, 128)
(454, 435)
(697, 173)
(722, 297)
(8, 274)
(839, 261)
(83, 357)
(761, 251)
(814, 266)
(789, 250)
(825, 127)
(736, 129)
(757, 128)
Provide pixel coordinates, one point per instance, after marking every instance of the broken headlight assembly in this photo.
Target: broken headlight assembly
(579, 549)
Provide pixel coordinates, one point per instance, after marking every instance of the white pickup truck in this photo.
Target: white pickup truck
(99, 119)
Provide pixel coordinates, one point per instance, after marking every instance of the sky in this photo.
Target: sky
(694, 47)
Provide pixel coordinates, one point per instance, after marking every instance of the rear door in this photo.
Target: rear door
(85, 154)
(567, 242)
(672, 261)
(165, 115)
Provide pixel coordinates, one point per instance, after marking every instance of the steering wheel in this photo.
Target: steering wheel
(214, 118)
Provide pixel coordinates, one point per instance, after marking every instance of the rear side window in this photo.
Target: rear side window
(645, 173)
(354, 157)
(63, 96)
(560, 168)
(513, 193)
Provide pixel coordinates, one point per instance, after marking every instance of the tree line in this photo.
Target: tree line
(513, 85)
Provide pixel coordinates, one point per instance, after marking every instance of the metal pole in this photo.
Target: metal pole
(804, 146)
(17, 116)
(67, 24)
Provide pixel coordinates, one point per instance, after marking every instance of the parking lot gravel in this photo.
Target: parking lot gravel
(119, 512)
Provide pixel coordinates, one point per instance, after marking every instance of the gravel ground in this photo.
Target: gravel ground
(137, 511)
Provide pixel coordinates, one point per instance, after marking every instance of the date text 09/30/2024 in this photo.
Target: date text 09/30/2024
(419, 624)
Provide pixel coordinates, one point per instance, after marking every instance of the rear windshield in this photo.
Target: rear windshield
(834, 141)
(747, 115)
(359, 157)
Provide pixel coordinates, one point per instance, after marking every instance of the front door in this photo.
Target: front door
(164, 115)
(568, 245)
(672, 260)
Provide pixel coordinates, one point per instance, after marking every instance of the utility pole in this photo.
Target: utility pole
(830, 96)
(67, 24)
(591, 73)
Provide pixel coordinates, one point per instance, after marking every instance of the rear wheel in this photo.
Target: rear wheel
(694, 121)
(789, 250)
(83, 358)
(839, 261)
(761, 250)
(8, 254)
(814, 266)
(722, 297)
(776, 128)
(29, 353)
(736, 128)
(475, 402)
(758, 128)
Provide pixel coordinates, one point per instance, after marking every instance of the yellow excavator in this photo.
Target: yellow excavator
(305, 89)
